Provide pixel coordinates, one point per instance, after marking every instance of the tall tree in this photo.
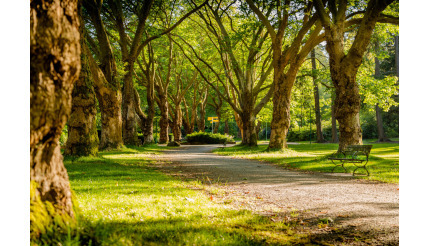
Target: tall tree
(54, 67)
(105, 77)
(344, 64)
(300, 41)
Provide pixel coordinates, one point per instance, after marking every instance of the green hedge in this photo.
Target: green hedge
(208, 138)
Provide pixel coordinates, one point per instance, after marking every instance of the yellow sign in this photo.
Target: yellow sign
(214, 119)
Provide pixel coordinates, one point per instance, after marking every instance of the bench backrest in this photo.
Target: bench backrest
(358, 149)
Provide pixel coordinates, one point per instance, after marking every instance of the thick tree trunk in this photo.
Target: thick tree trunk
(164, 119)
(109, 98)
(347, 109)
(82, 125)
(249, 134)
(129, 130)
(105, 82)
(281, 110)
(320, 137)
(54, 67)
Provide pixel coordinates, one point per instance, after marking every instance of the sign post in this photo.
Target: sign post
(213, 119)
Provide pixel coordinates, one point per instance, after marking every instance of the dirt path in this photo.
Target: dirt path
(363, 212)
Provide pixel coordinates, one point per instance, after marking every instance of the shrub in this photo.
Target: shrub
(208, 138)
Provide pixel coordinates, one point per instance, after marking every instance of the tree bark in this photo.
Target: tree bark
(177, 123)
(105, 82)
(109, 98)
(82, 125)
(164, 119)
(54, 67)
(281, 110)
(320, 137)
(129, 130)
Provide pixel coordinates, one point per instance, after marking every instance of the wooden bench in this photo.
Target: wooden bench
(352, 154)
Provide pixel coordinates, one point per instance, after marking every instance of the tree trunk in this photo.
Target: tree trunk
(347, 109)
(109, 99)
(164, 119)
(54, 67)
(105, 82)
(148, 131)
(177, 123)
(320, 137)
(281, 110)
(129, 130)
(202, 114)
(249, 134)
(82, 125)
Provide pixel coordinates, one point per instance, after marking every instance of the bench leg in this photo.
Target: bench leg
(363, 166)
(338, 165)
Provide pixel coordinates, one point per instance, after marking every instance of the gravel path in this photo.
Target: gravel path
(363, 209)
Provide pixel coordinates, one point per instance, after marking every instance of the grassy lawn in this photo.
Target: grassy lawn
(124, 200)
(383, 161)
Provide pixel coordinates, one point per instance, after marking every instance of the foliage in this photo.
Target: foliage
(208, 138)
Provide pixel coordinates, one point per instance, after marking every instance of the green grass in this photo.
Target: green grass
(124, 200)
(383, 161)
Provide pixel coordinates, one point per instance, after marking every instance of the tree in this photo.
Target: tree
(54, 67)
(277, 18)
(105, 77)
(344, 64)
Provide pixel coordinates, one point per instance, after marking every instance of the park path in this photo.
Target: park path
(362, 205)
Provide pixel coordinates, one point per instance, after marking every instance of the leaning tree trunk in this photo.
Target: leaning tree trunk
(109, 99)
(82, 125)
(54, 67)
(320, 137)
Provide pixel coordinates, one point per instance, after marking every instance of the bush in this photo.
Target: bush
(208, 138)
